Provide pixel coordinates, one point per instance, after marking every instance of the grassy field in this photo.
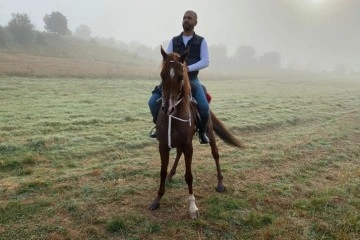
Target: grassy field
(76, 162)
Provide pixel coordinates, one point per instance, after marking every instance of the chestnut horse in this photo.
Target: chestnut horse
(176, 126)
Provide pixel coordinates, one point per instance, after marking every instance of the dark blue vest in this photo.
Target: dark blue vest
(194, 45)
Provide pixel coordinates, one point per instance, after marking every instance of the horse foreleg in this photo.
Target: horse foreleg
(194, 211)
(164, 155)
(215, 152)
(173, 169)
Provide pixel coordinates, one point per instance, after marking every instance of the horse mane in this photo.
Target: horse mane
(186, 88)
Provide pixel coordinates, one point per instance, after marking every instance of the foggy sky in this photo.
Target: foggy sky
(316, 34)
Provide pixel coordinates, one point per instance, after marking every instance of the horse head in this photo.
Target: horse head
(175, 81)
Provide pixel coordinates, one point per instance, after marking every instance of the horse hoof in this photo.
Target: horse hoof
(220, 188)
(194, 215)
(154, 206)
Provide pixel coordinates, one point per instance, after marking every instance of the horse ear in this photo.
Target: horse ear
(184, 55)
(163, 53)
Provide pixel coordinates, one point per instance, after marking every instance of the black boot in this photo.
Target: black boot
(203, 138)
(153, 133)
(202, 133)
(153, 130)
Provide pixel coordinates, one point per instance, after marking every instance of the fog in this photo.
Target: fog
(308, 34)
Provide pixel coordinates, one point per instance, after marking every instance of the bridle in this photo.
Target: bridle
(179, 96)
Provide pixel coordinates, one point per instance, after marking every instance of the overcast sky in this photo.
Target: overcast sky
(315, 33)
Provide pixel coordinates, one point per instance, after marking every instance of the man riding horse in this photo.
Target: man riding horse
(197, 59)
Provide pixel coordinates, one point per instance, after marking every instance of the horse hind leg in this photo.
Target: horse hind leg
(215, 152)
(173, 169)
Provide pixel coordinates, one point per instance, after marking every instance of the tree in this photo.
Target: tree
(83, 32)
(270, 60)
(56, 22)
(245, 56)
(219, 58)
(21, 28)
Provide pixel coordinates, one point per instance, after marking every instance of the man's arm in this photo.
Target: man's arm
(204, 58)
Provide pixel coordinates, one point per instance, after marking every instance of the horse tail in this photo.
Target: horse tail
(223, 133)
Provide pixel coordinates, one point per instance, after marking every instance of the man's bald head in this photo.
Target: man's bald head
(192, 13)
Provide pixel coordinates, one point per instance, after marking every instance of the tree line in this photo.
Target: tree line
(244, 60)
(20, 30)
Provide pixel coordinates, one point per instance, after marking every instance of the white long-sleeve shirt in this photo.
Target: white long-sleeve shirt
(204, 54)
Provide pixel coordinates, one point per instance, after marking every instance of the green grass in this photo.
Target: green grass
(76, 162)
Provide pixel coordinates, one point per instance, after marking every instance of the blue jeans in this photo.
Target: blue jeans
(198, 94)
(153, 105)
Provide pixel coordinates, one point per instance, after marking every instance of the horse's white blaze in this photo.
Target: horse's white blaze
(170, 104)
(193, 209)
(172, 72)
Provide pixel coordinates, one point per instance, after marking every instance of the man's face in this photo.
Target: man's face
(189, 21)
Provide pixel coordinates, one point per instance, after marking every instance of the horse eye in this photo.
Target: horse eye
(180, 78)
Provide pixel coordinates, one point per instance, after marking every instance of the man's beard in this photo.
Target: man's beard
(187, 27)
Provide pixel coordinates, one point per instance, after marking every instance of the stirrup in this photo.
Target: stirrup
(152, 133)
